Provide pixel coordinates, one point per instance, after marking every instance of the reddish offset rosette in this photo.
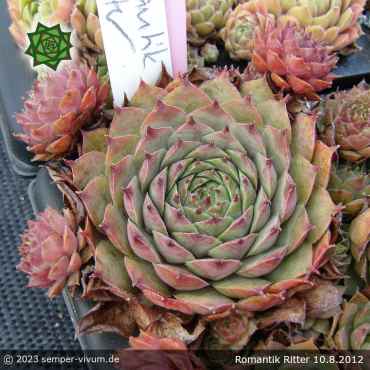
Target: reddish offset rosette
(58, 107)
(295, 60)
(50, 251)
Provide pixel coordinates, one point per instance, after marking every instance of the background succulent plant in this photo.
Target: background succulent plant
(205, 55)
(293, 58)
(50, 252)
(353, 326)
(350, 186)
(335, 23)
(214, 211)
(359, 235)
(195, 59)
(56, 11)
(205, 18)
(346, 122)
(210, 53)
(25, 14)
(239, 31)
(87, 35)
(22, 15)
(339, 262)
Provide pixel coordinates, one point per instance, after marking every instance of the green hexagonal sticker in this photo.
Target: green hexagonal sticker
(49, 46)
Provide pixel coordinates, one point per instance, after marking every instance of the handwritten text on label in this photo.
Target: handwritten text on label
(136, 43)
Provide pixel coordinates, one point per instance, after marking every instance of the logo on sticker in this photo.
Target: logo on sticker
(49, 46)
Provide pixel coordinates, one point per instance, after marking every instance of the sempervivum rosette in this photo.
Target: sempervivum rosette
(56, 11)
(350, 186)
(230, 332)
(353, 331)
(359, 234)
(22, 15)
(293, 58)
(87, 35)
(205, 18)
(58, 107)
(334, 23)
(346, 122)
(239, 31)
(50, 252)
(210, 195)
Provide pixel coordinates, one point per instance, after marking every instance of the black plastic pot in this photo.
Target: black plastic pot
(43, 193)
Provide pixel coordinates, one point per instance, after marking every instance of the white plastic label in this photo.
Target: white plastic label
(136, 43)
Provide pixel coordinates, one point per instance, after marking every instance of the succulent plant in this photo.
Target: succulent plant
(152, 353)
(359, 234)
(205, 18)
(22, 14)
(350, 187)
(293, 58)
(353, 332)
(198, 57)
(56, 11)
(25, 13)
(346, 122)
(195, 59)
(58, 107)
(210, 53)
(50, 252)
(239, 31)
(334, 23)
(208, 212)
(87, 35)
(232, 332)
(339, 261)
